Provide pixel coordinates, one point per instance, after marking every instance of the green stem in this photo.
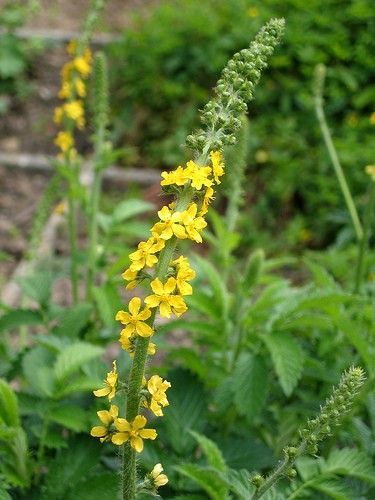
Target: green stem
(279, 471)
(41, 448)
(93, 231)
(139, 362)
(363, 245)
(337, 167)
(72, 227)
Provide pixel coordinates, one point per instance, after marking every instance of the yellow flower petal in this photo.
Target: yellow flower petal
(98, 431)
(136, 443)
(120, 438)
(139, 422)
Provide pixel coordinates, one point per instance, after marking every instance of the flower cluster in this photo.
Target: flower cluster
(73, 90)
(168, 291)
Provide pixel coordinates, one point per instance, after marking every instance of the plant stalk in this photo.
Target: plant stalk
(363, 245)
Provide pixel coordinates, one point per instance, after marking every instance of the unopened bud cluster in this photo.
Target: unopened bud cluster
(221, 116)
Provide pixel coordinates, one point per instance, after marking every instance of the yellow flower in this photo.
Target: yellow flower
(59, 113)
(208, 197)
(110, 385)
(144, 256)
(64, 141)
(372, 118)
(179, 176)
(170, 225)
(74, 111)
(217, 165)
(80, 87)
(157, 478)
(164, 299)
(192, 223)
(135, 320)
(133, 431)
(65, 91)
(107, 418)
(72, 47)
(370, 170)
(199, 175)
(156, 387)
(184, 273)
(82, 65)
(131, 276)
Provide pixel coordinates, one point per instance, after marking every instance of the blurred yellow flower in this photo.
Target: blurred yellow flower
(157, 478)
(64, 141)
(370, 170)
(252, 12)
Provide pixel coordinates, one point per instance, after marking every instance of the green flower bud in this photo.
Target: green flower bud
(257, 480)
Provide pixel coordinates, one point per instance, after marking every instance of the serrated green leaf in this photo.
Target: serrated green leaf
(73, 357)
(69, 416)
(211, 451)
(186, 411)
(104, 486)
(72, 320)
(9, 414)
(250, 380)
(351, 462)
(37, 369)
(37, 286)
(70, 467)
(208, 479)
(80, 383)
(239, 482)
(217, 285)
(19, 317)
(287, 357)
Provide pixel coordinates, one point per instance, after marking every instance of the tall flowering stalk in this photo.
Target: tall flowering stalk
(70, 116)
(193, 187)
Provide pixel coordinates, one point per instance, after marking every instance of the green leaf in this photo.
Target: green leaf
(73, 357)
(37, 369)
(19, 317)
(250, 379)
(80, 383)
(186, 411)
(103, 486)
(211, 451)
(70, 416)
(239, 482)
(70, 467)
(72, 321)
(37, 286)
(107, 300)
(130, 208)
(208, 479)
(9, 414)
(287, 357)
(350, 462)
(215, 279)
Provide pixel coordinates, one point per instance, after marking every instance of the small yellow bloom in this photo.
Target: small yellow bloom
(170, 225)
(134, 319)
(163, 297)
(72, 47)
(179, 176)
(59, 113)
(60, 208)
(133, 431)
(208, 197)
(193, 225)
(217, 165)
(370, 170)
(261, 156)
(82, 66)
(65, 91)
(74, 111)
(157, 387)
(80, 87)
(372, 118)
(184, 274)
(157, 478)
(110, 385)
(144, 256)
(199, 175)
(131, 276)
(107, 418)
(64, 141)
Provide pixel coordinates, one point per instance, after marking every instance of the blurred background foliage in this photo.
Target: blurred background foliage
(161, 76)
